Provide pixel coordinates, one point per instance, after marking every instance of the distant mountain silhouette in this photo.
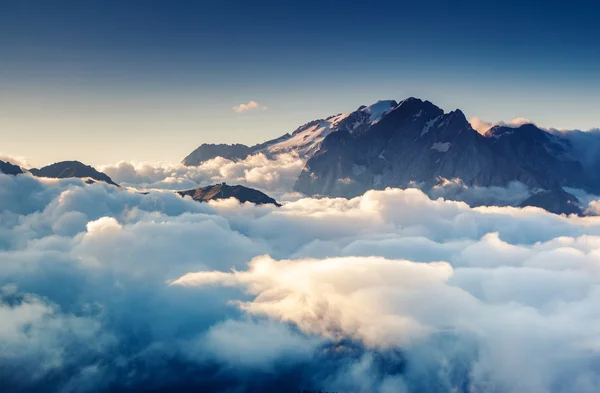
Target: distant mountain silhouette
(224, 191)
(66, 169)
(10, 169)
(208, 151)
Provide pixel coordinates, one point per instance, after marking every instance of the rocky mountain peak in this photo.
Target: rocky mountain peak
(9, 169)
(66, 169)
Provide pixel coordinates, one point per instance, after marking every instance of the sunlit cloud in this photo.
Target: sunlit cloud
(330, 293)
(250, 105)
(483, 126)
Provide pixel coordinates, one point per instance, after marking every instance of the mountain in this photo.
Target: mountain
(208, 151)
(304, 141)
(555, 201)
(417, 142)
(224, 191)
(10, 169)
(66, 169)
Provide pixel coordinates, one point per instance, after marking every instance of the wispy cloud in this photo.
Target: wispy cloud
(250, 105)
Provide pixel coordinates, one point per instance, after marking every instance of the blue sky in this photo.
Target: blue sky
(102, 81)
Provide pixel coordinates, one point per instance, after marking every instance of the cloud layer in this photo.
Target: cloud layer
(275, 176)
(109, 290)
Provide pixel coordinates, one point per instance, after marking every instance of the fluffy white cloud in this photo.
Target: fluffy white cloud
(105, 289)
(250, 105)
(275, 176)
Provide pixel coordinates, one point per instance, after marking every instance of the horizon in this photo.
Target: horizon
(479, 125)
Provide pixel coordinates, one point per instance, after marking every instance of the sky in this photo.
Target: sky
(104, 81)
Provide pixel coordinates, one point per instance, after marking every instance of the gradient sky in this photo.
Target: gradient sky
(103, 81)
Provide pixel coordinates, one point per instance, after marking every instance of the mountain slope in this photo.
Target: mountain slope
(304, 141)
(66, 169)
(224, 191)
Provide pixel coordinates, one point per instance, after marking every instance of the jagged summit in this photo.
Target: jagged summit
(9, 169)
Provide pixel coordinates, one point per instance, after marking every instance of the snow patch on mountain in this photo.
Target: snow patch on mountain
(428, 125)
(442, 147)
(379, 109)
(308, 141)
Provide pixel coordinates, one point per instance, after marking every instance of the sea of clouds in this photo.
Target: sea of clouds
(106, 289)
(276, 176)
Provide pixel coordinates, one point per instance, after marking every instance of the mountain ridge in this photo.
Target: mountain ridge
(418, 142)
(304, 140)
(66, 169)
(10, 169)
(397, 144)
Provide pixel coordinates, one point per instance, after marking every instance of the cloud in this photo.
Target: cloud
(483, 126)
(480, 126)
(511, 195)
(274, 176)
(109, 290)
(250, 105)
(15, 160)
(322, 296)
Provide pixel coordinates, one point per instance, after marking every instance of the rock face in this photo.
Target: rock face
(417, 142)
(224, 191)
(66, 169)
(9, 169)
